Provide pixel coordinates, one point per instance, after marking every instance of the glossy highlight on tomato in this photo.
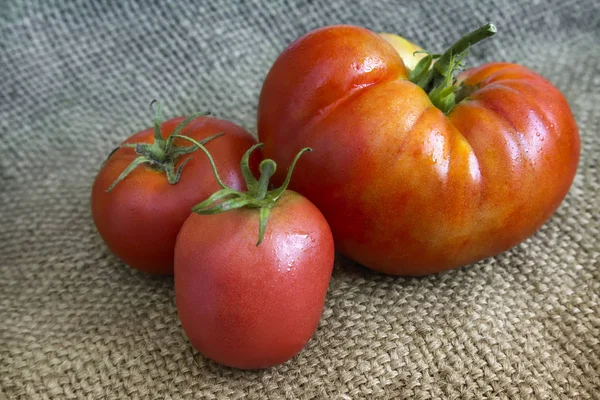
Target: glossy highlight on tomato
(407, 188)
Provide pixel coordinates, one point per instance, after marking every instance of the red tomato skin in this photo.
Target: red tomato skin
(140, 218)
(249, 306)
(406, 189)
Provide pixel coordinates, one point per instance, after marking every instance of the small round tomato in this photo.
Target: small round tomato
(250, 305)
(146, 188)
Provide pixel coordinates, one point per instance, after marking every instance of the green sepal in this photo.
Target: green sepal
(262, 224)
(422, 73)
(439, 79)
(180, 127)
(276, 193)
(251, 182)
(214, 198)
(257, 195)
(162, 155)
(134, 164)
(200, 145)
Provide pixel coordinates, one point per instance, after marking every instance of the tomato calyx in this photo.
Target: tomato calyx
(439, 79)
(257, 195)
(162, 155)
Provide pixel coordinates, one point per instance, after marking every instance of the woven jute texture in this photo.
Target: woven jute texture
(76, 77)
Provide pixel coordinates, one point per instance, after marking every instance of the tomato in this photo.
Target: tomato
(417, 170)
(140, 217)
(250, 305)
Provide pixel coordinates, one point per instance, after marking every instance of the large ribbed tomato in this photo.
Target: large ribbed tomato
(417, 172)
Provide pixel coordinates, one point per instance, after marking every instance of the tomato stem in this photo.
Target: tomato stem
(162, 155)
(257, 195)
(267, 169)
(439, 79)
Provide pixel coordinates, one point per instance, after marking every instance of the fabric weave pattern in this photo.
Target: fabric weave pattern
(77, 77)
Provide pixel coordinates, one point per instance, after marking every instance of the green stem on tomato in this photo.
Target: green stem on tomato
(257, 196)
(161, 155)
(267, 169)
(439, 79)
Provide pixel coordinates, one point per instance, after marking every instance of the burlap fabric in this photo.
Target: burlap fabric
(76, 77)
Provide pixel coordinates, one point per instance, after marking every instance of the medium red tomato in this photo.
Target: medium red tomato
(140, 216)
(416, 171)
(250, 305)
